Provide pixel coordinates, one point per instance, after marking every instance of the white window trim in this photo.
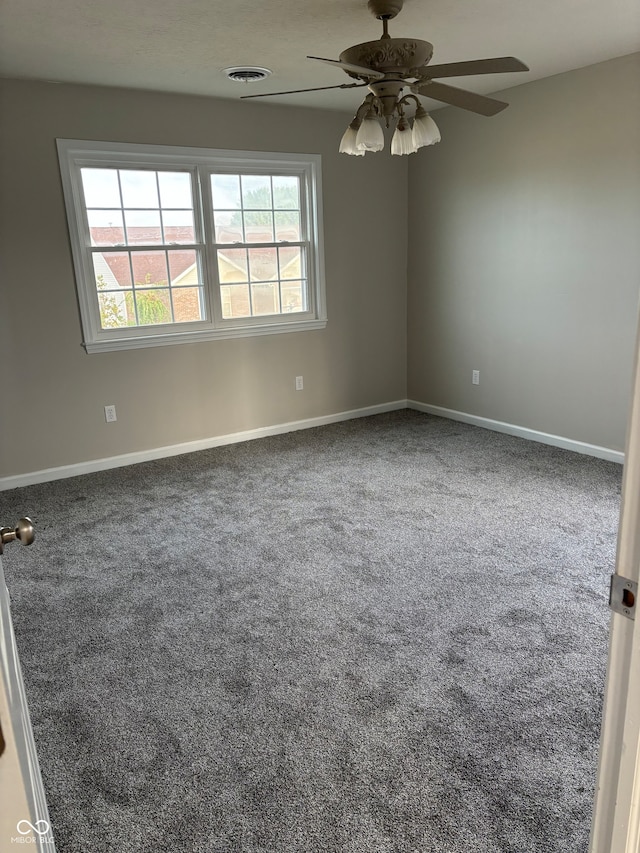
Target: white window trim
(73, 154)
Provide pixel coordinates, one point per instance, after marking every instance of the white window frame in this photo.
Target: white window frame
(75, 154)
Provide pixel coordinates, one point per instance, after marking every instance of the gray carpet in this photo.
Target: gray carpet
(382, 636)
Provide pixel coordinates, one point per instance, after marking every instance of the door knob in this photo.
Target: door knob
(24, 532)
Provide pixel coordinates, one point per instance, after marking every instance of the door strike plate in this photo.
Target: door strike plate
(622, 596)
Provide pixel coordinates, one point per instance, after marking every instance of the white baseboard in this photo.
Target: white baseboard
(521, 432)
(92, 465)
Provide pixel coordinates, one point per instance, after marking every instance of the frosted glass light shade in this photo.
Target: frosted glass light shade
(348, 142)
(370, 136)
(402, 142)
(425, 131)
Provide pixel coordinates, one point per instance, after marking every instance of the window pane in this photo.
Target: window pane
(228, 225)
(266, 298)
(286, 192)
(178, 226)
(235, 301)
(143, 227)
(187, 304)
(115, 310)
(154, 307)
(105, 227)
(293, 294)
(183, 268)
(149, 269)
(287, 225)
(232, 265)
(256, 192)
(112, 270)
(225, 191)
(258, 226)
(100, 187)
(290, 261)
(139, 189)
(263, 264)
(175, 189)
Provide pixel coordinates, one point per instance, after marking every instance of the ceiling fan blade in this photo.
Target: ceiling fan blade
(315, 89)
(360, 70)
(497, 65)
(459, 98)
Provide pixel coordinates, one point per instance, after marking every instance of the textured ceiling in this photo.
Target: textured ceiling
(182, 46)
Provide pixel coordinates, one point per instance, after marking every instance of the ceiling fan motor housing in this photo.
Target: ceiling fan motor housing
(389, 56)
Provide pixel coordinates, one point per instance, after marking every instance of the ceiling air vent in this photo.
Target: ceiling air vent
(246, 74)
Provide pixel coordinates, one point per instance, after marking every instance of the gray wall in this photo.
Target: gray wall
(524, 256)
(51, 409)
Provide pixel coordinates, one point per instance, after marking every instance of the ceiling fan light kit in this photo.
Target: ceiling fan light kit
(370, 136)
(389, 65)
(365, 134)
(348, 142)
(402, 142)
(425, 130)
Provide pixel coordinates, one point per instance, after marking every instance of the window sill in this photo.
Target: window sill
(191, 337)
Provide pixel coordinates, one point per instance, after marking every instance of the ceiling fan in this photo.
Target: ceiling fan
(389, 65)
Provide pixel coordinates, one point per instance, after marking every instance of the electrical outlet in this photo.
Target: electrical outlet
(299, 383)
(110, 414)
(475, 377)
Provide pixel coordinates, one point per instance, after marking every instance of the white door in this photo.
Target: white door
(24, 818)
(616, 820)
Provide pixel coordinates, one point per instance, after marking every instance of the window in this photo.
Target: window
(182, 244)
